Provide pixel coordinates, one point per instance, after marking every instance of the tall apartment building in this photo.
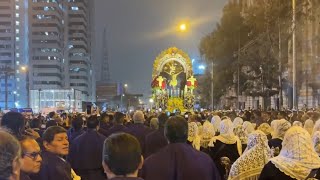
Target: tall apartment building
(78, 39)
(13, 52)
(46, 44)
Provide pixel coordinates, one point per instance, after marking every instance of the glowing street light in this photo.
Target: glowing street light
(183, 27)
(202, 67)
(125, 85)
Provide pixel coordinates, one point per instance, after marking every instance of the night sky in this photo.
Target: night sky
(138, 30)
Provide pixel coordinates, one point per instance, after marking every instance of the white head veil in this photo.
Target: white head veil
(226, 135)
(193, 135)
(297, 157)
(215, 121)
(252, 161)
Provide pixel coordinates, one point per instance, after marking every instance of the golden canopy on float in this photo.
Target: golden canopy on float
(172, 54)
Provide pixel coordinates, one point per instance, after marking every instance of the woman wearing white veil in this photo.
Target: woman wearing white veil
(297, 158)
(225, 148)
(215, 121)
(252, 161)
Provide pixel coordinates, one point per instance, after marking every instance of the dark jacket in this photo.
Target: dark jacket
(155, 141)
(179, 161)
(117, 128)
(140, 131)
(85, 155)
(53, 167)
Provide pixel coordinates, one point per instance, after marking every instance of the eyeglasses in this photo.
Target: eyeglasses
(32, 155)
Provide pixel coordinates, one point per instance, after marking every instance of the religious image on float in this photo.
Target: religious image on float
(173, 82)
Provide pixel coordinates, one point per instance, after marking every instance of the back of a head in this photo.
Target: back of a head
(138, 116)
(10, 152)
(14, 122)
(35, 123)
(77, 122)
(119, 117)
(48, 135)
(154, 123)
(122, 154)
(162, 118)
(176, 129)
(92, 122)
(51, 114)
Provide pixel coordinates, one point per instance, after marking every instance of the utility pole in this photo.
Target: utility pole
(280, 64)
(294, 73)
(212, 104)
(238, 88)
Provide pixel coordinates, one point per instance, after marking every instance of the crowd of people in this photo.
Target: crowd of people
(154, 146)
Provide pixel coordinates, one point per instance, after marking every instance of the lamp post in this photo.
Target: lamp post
(151, 102)
(26, 70)
(121, 99)
(39, 99)
(294, 73)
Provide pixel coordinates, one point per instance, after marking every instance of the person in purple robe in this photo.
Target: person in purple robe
(156, 140)
(122, 157)
(178, 160)
(53, 166)
(139, 130)
(117, 124)
(85, 154)
(77, 128)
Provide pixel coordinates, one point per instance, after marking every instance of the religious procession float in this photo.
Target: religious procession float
(173, 82)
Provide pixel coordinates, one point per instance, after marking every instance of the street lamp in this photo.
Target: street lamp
(151, 102)
(25, 69)
(121, 97)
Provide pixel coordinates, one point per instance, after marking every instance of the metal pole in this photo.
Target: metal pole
(28, 89)
(39, 100)
(238, 90)
(294, 98)
(212, 104)
(280, 66)
(6, 88)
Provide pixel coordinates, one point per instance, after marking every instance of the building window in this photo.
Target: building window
(74, 8)
(17, 55)
(17, 7)
(17, 39)
(17, 15)
(17, 31)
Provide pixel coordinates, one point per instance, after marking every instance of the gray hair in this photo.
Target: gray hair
(9, 150)
(138, 116)
(154, 123)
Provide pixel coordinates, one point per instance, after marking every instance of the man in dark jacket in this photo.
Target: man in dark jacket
(117, 124)
(178, 160)
(85, 154)
(156, 140)
(139, 130)
(53, 166)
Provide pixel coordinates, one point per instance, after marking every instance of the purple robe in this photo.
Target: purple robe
(155, 141)
(85, 155)
(140, 131)
(126, 178)
(179, 161)
(116, 129)
(53, 167)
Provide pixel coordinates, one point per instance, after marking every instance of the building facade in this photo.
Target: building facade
(45, 45)
(13, 52)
